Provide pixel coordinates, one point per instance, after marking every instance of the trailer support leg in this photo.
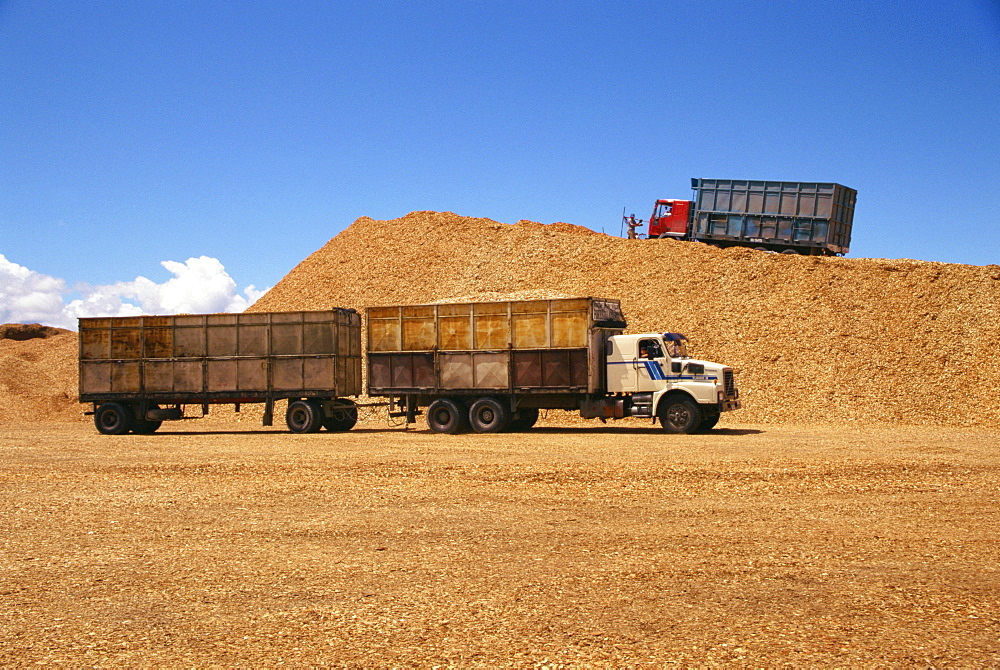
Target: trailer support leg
(269, 412)
(411, 410)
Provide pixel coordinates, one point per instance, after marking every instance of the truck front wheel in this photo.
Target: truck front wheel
(708, 422)
(446, 416)
(113, 418)
(679, 415)
(489, 415)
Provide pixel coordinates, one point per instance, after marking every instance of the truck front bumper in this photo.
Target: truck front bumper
(729, 405)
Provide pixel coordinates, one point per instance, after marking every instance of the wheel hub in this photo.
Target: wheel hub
(678, 416)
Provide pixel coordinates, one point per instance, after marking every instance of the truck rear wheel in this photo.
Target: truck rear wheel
(489, 415)
(113, 418)
(446, 416)
(679, 415)
(304, 416)
(525, 419)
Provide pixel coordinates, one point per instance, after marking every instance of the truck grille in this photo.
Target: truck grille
(729, 381)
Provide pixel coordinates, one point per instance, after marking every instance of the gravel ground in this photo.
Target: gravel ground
(220, 544)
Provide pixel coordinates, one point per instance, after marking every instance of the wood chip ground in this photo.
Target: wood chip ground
(756, 546)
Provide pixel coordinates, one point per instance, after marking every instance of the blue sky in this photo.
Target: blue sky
(135, 136)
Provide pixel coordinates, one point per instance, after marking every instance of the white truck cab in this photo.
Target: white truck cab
(652, 375)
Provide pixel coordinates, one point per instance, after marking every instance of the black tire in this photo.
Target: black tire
(145, 426)
(344, 418)
(708, 423)
(790, 252)
(760, 249)
(113, 418)
(679, 415)
(489, 415)
(525, 419)
(446, 416)
(304, 416)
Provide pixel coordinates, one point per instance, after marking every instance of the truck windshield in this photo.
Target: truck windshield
(677, 348)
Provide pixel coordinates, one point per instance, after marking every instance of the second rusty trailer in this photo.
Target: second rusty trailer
(140, 371)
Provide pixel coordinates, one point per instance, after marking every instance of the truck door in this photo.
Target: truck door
(621, 363)
(669, 218)
(649, 367)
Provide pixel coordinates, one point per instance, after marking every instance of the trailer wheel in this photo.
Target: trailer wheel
(113, 418)
(145, 426)
(304, 416)
(679, 415)
(489, 415)
(344, 417)
(446, 416)
(525, 419)
(790, 252)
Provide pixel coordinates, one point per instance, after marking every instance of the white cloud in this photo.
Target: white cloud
(28, 296)
(198, 285)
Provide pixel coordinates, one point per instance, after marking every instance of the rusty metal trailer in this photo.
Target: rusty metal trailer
(794, 217)
(490, 365)
(140, 371)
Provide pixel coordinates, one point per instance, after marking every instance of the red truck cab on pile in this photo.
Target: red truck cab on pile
(669, 218)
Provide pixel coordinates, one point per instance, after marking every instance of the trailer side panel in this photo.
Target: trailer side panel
(526, 346)
(221, 357)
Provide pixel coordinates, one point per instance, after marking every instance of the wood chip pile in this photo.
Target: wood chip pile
(829, 340)
(38, 374)
(28, 331)
(813, 340)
